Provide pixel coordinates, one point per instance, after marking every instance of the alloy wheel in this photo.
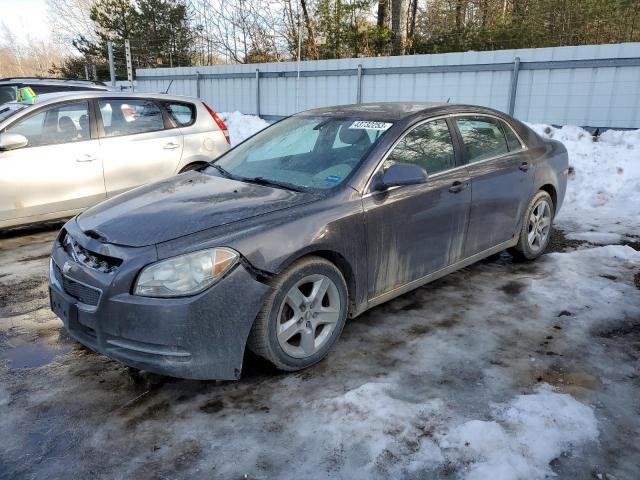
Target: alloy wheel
(308, 316)
(539, 225)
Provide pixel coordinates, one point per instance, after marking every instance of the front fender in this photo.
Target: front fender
(270, 243)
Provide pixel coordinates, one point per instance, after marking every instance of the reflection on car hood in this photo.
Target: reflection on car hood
(182, 205)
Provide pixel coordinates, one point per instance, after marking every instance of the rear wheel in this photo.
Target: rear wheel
(536, 228)
(303, 317)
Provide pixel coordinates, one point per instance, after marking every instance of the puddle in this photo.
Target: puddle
(31, 355)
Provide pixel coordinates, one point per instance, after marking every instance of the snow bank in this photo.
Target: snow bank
(524, 437)
(518, 441)
(603, 192)
(241, 126)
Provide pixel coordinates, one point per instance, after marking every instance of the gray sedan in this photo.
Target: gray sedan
(68, 151)
(313, 220)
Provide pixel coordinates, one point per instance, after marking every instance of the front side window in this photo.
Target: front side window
(55, 125)
(129, 116)
(428, 145)
(306, 152)
(482, 137)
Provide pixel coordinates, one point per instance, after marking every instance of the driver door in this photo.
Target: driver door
(59, 172)
(416, 230)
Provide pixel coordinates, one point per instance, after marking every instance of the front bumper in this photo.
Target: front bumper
(199, 337)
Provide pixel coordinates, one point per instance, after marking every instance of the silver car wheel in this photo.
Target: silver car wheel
(308, 315)
(539, 226)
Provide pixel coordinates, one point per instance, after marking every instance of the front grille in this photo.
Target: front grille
(81, 292)
(93, 260)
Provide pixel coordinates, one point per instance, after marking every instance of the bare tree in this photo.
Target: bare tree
(25, 56)
(241, 31)
(70, 19)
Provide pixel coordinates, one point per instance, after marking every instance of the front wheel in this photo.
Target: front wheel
(303, 317)
(536, 228)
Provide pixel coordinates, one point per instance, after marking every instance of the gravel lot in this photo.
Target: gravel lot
(502, 368)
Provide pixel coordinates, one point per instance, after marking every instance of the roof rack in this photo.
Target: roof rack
(95, 82)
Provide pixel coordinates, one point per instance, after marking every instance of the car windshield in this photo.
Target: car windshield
(304, 152)
(9, 109)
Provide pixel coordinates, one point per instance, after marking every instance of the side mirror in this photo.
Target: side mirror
(11, 141)
(399, 174)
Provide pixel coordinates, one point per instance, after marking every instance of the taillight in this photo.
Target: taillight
(219, 122)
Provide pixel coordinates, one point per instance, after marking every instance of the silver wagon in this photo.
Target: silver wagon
(68, 151)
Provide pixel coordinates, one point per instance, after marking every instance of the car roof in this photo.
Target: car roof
(378, 111)
(395, 111)
(56, 81)
(46, 98)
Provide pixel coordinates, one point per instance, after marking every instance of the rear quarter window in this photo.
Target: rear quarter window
(184, 114)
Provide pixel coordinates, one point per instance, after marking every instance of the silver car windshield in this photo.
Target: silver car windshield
(9, 109)
(304, 152)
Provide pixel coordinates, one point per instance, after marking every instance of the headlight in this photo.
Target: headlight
(186, 274)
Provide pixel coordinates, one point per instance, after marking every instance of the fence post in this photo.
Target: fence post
(514, 85)
(198, 84)
(359, 81)
(257, 92)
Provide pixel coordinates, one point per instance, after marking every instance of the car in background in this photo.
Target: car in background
(69, 151)
(9, 86)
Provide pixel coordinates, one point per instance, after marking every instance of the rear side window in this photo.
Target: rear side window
(184, 114)
(512, 139)
(54, 125)
(129, 116)
(482, 137)
(428, 145)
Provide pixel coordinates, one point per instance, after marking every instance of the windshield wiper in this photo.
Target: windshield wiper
(274, 183)
(222, 171)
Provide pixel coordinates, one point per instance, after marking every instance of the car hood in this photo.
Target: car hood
(182, 205)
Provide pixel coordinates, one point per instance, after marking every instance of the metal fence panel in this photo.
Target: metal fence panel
(591, 85)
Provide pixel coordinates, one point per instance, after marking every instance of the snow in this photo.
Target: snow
(603, 193)
(241, 126)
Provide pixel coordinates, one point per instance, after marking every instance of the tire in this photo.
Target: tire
(190, 167)
(296, 339)
(537, 224)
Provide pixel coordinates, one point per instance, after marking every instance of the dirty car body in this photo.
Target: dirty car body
(384, 239)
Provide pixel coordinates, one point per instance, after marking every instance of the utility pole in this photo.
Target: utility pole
(127, 48)
(112, 69)
(86, 71)
(94, 71)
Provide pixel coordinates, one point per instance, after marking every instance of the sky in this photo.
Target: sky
(25, 17)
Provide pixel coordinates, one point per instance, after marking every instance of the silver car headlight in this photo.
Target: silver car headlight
(185, 274)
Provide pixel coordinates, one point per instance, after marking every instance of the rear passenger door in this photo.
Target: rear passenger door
(138, 142)
(501, 180)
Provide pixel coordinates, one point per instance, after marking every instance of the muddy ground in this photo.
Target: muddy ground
(471, 340)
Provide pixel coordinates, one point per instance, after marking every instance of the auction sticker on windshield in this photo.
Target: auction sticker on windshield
(366, 125)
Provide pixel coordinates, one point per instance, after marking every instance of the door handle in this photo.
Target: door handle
(524, 166)
(457, 186)
(87, 157)
(171, 146)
